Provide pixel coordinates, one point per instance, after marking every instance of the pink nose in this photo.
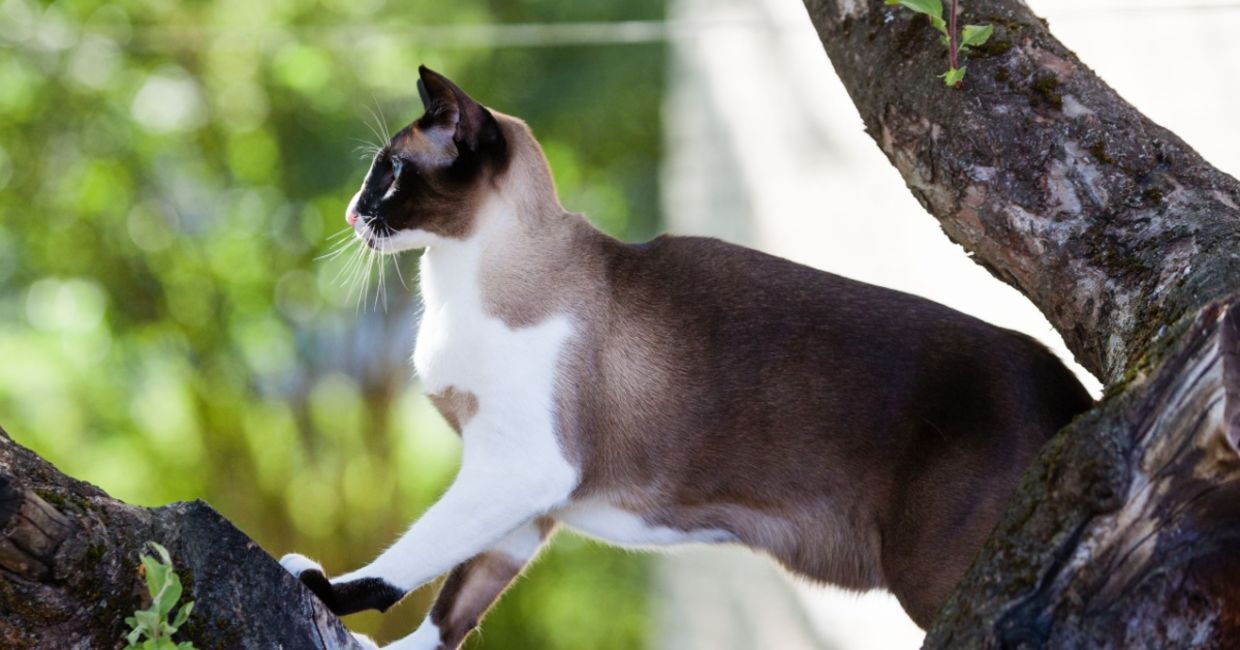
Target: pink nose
(351, 217)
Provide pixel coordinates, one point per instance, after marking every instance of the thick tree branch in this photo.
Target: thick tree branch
(1123, 533)
(69, 569)
(1111, 224)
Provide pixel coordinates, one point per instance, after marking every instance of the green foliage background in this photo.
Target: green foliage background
(169, 173)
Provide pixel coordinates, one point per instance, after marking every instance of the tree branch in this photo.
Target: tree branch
(1123, 532)
(69, 569)
(1109, 223)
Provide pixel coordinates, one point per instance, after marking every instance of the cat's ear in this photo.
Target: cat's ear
(451, 114)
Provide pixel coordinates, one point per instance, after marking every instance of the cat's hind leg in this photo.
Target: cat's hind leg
(473, 586)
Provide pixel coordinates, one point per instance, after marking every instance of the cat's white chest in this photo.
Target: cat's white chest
(460, 345)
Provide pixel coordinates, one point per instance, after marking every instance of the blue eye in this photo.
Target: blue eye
(397, 164)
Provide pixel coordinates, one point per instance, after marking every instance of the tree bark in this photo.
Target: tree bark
(1125, 531)
(69, 558)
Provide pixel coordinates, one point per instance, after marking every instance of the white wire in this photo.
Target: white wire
(495, 35)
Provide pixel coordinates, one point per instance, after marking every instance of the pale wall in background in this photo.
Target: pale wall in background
(766, 149)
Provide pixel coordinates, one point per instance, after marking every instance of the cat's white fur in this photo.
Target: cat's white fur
(599, 519)
(513, 468)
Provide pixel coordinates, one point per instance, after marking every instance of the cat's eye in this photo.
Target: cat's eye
(397, 165)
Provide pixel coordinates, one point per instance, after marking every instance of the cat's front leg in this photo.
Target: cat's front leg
(498, 489)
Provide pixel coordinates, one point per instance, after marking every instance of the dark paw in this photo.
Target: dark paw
(345, 597)
(360, 595)
(322, 587)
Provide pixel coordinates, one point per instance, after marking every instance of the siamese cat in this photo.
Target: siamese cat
(682, 390)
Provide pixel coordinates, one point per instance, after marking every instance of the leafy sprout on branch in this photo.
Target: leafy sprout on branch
(971, 36)
(154, 626)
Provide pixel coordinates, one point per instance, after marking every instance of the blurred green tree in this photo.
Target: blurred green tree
(169, 173)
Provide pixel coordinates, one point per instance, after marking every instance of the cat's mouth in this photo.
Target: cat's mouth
(365, 226)
(372, 236)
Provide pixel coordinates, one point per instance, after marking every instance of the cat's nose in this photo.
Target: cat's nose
(350, 213)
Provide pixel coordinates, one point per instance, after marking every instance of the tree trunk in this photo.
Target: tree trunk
(1125, 531)
(69, 558)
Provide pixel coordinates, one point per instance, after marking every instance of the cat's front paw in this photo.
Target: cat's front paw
(344, 597)
(296, 564)
(311, 574)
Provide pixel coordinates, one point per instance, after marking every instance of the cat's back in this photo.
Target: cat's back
(689, 279)
(734, 318)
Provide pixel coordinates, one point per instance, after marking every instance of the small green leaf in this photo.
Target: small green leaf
(939, 25)
(169, 595)
(183, 614)
(954, 75)
(156, 574)
(975, 35)
(147, 619)
(932, 8)
(163, 553)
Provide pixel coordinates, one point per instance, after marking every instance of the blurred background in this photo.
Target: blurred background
(171, 174)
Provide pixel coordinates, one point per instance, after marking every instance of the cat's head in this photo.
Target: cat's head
(430, 181)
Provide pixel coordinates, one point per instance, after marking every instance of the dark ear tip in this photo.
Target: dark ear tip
(431, 87)
(426, 73)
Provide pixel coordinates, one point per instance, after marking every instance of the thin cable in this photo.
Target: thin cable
(515, 35)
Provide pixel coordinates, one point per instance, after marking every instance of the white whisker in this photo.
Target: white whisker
(370, 264)
(355, 276)
(335, 250)
(381, 289)
(348, 274)
(378, 128)
(382, 118)
(362, 276)
(333, 253)
(344, 232)
(396, 264)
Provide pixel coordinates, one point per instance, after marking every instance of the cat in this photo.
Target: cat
(675, 391)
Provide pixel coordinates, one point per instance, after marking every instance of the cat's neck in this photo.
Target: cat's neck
(511, 244)
(523, 258)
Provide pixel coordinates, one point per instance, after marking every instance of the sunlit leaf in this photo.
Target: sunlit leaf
(954, 75)
(929, 7)
(974, 35)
